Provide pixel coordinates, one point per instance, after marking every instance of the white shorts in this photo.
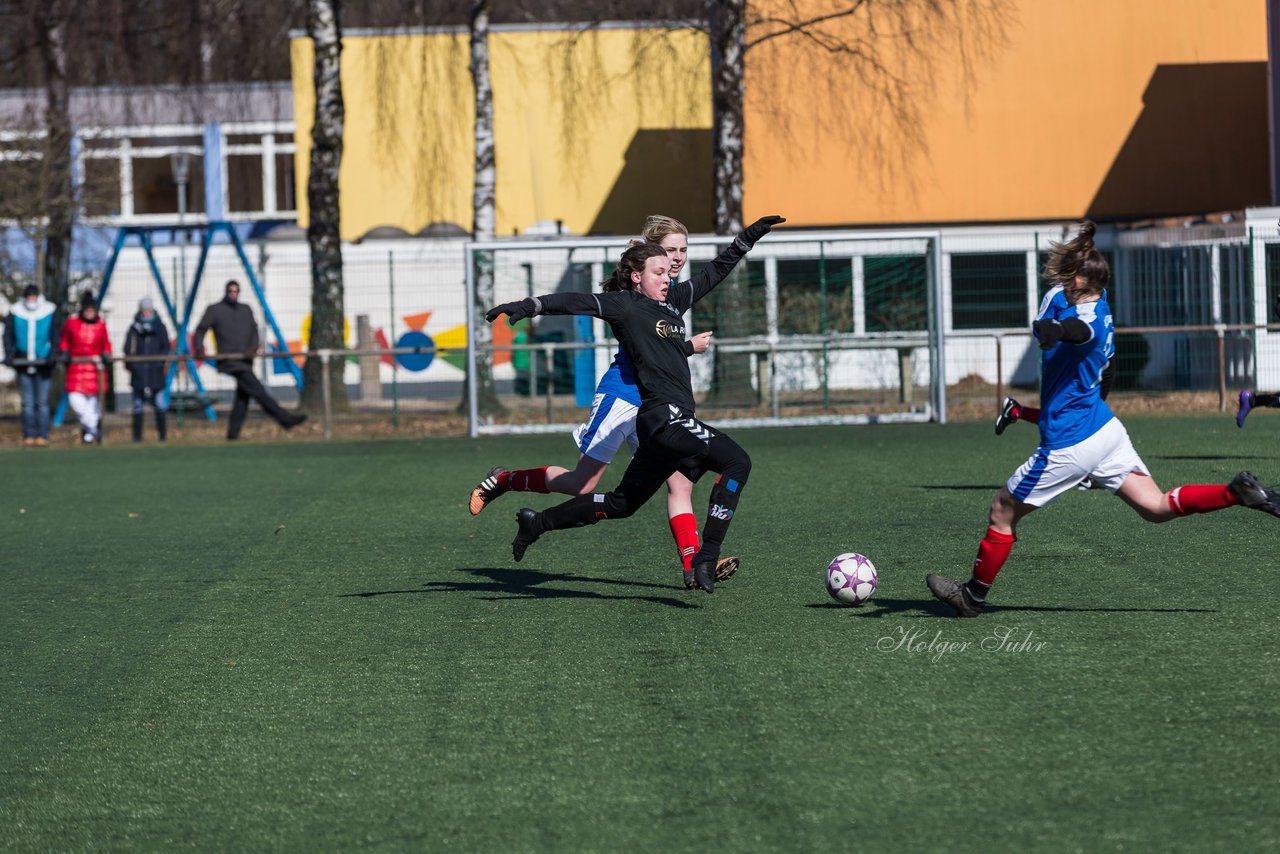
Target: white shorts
(1107, 457)
(612, 422)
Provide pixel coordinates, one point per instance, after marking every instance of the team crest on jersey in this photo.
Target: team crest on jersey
(667, 329)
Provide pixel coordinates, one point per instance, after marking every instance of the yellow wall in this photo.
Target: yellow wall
(1054, 125)
(1105, 108)
(576, 139)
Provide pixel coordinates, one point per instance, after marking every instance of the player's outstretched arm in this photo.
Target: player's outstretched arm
(605, 306)
(715, 272)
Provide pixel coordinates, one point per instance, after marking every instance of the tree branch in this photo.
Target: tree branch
(794, 26)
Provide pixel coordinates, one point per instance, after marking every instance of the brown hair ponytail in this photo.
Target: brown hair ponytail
(1078, 257)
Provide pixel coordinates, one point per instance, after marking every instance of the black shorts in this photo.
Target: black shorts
(673, 437)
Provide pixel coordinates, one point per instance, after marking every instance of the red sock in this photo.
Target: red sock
(1186, 500)
(993, 551)
(1030, 414)
(524, 480)
(685, 529)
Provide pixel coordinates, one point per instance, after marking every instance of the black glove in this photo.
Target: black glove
(759, 229)
(105, 359)
(1049, 332)
(64, 358)
(515, 311)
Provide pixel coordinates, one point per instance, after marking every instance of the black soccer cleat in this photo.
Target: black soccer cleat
(704, 575)
(725, 567)
(1008, 414)
(1254, 495)
(954, 594)
(528, 529)
(486, 491)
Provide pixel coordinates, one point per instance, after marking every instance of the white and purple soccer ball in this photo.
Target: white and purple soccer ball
(851, 578)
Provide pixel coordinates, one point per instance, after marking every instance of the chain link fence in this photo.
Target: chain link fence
(846, 327)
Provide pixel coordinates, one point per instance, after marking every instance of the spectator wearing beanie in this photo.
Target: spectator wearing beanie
(148, 337)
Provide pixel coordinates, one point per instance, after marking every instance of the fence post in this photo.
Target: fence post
(906, 375)
(473, 406)
(178, 377)
(395, 368)
(549, 350)
(773, 378)
(370, 366)
(999, 372)
(938, 361)
(328, 410)
(1222, 371)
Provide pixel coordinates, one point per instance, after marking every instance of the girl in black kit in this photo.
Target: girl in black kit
(645, 310)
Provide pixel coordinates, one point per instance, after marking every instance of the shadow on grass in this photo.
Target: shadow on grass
(931, 607)
(506, 583)
(969, 487)
(1212, 457)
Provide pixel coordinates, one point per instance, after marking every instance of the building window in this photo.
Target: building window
(286, 199)
(1236, 281)
(815, 296)
(244, 182)
(154, 190)
(988, 291)
(897, 293)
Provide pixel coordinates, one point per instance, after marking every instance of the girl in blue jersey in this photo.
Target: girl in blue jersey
(612, 421)
(1079, 435)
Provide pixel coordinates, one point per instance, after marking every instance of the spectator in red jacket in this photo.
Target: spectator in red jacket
(85, 337)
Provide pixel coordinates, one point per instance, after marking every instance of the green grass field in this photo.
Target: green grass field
(301, 645)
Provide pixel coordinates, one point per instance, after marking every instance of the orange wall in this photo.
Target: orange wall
(1098, 107)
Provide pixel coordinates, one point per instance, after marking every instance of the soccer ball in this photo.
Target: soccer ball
(851, 578)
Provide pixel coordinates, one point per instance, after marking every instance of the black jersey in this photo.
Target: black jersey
(652, 332)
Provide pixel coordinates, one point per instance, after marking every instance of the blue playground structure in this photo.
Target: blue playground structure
(182, 321)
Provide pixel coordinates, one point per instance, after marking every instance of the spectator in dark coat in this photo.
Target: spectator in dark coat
(236, 333)
(148, 337)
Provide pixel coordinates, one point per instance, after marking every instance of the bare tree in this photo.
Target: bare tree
(324, 26)
(877, 61)
(483, 217)
(50, 27)
(50, 46)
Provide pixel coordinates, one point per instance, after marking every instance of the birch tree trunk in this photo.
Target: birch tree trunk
(324, 26)
(731, 382)
(483, 210)
(59, 201)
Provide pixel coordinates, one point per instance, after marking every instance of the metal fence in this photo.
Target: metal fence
(849, 326)
(837, 328)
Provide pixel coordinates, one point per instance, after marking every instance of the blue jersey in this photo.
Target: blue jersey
(620, 380)
(1071, 405)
